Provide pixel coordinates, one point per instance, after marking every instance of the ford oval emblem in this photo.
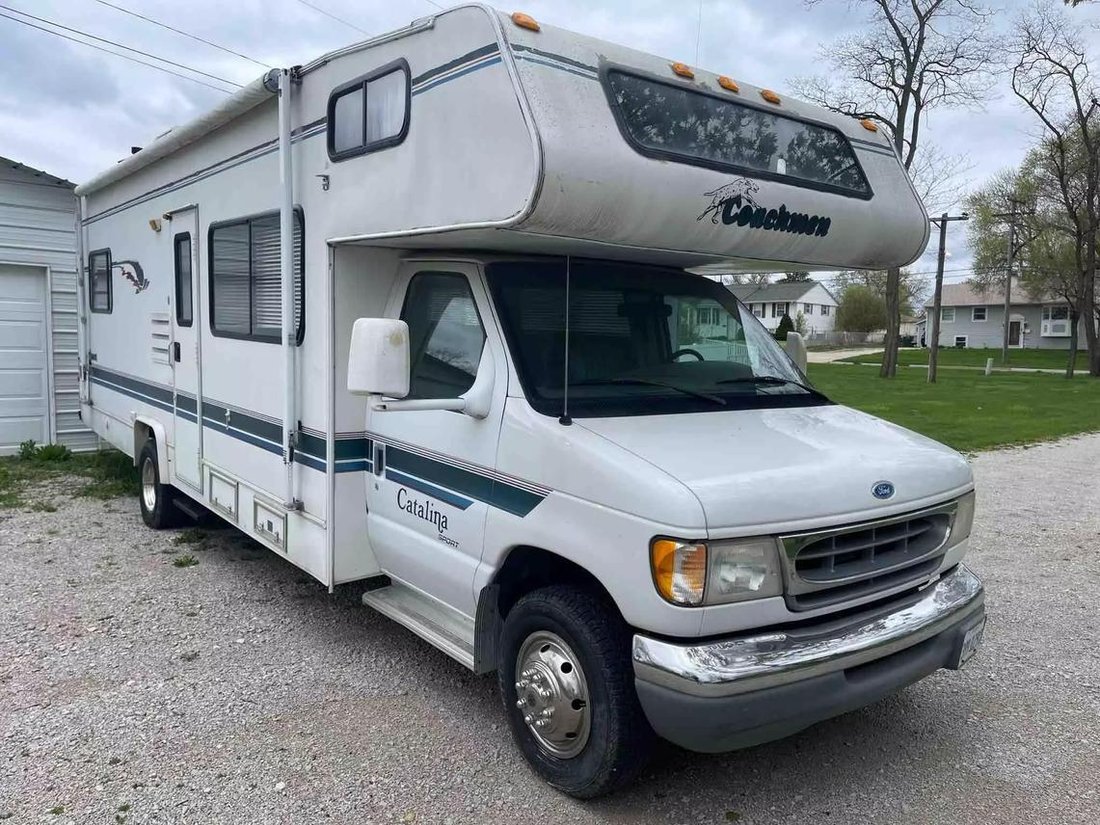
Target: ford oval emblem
(883, 490)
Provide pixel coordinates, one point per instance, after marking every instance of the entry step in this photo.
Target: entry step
(428, 618)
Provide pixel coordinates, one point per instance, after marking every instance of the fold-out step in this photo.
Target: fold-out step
(432, 621)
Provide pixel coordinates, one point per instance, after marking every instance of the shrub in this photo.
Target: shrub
(785, 325)
(53, 452)
(28, 449)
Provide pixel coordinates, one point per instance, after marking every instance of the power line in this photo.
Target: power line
(117, 54)
(329, 14)
(120, 46)
(435, 4)
(182, 32)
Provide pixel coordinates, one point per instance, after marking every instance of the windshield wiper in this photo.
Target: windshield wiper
(769, 380)
(645, 382)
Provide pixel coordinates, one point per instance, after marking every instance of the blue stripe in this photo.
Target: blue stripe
(355, 466)
(557, 66)
(309, 461)
(240, 435)
(132, 393)
(428, 489)
(427, 87)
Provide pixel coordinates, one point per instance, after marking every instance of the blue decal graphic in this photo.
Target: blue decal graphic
(883, 490)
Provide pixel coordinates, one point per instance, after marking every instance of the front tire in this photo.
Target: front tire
(157, 508)
(567, 682)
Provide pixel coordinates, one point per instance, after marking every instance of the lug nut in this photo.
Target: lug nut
(521, 684)
(528, 719)
(543, 692)
(522, 702)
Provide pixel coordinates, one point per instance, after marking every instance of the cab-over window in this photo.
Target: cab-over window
(446, 336)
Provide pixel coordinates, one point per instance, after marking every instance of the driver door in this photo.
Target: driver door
(432, 481)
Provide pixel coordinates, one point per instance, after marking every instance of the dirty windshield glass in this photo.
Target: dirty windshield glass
(668, 119)
(641, 341)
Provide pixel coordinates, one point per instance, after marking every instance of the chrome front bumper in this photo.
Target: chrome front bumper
(730, 667)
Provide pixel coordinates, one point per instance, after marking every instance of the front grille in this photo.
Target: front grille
(830, 566)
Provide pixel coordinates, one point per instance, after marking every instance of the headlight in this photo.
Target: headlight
(694, 572)
(743, 569)
(963, 522)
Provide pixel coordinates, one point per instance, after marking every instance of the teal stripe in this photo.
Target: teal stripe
(499, 494)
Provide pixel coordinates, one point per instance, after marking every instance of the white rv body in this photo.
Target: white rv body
(510, 150)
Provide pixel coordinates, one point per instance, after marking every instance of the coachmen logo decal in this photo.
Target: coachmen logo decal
(132, 272)
(735, 203)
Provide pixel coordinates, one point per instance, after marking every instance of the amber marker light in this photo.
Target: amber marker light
(869, 125)
(679, 570)
(682, 70)
(769, 96)
(525, 21)
(729, 84)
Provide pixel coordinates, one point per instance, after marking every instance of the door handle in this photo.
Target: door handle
(176, 351)
(379, 458)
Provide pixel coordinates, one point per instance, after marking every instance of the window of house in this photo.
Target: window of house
(246, 278)
(758, 310)
(779, 310)
(99, 281)
(370, 113)
(960, 341)
(977, 313)
(808, 309)
(1055, 322)
(947, 315)
(184, 291)
(446, 336)
(677, 122)
(825, 309)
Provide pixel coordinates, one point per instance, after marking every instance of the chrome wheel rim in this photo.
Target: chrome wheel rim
(149, 484)
(552, 694)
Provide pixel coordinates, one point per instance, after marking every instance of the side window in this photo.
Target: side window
(246, 281)
(370, 113)
(184, 292)
(99, 281)
(445, 335)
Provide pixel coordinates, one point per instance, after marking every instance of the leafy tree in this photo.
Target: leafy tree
(1052, 77)
(861, 309)
(785, 326)
(913, 289)
(914, 56)
(800, 323)
(799, 277)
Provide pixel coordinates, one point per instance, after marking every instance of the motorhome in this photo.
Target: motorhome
(421, 315)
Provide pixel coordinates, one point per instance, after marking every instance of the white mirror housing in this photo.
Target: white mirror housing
(796, 349)
(378, 362)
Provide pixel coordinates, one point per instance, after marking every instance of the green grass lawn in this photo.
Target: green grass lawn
(1050, 359)
(968, 410)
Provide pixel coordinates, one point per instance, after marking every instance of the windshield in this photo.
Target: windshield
(642, 341)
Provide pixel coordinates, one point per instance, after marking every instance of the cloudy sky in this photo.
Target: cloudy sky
(74, 111)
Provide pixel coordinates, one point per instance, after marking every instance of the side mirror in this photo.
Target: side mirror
(378, 362)
(796, 349)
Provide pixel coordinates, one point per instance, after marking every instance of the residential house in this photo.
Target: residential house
(39, 378)
(770, 302)
(972, 317)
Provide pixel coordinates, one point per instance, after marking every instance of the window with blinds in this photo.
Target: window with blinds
(245, 278)
(99, 281)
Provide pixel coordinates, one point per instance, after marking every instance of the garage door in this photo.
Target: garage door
(24, 382)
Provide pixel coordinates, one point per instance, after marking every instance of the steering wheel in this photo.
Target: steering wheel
(685, 351)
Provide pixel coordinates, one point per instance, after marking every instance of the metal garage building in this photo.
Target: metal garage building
(39, 383)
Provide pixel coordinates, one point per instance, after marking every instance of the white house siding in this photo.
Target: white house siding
(38, 229)
(990, 333)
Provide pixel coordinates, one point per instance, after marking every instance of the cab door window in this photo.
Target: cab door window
(446, 335)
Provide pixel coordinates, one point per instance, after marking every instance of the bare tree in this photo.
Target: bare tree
(1051, 76)
(914, 56)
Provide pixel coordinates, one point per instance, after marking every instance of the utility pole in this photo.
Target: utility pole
(1011, 216)
(934, 331)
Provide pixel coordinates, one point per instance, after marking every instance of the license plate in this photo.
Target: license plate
(971, 640)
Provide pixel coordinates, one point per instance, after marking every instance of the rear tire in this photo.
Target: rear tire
(157, 508)
(567, 651)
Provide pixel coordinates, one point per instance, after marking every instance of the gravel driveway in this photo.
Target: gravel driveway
(238, 690)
